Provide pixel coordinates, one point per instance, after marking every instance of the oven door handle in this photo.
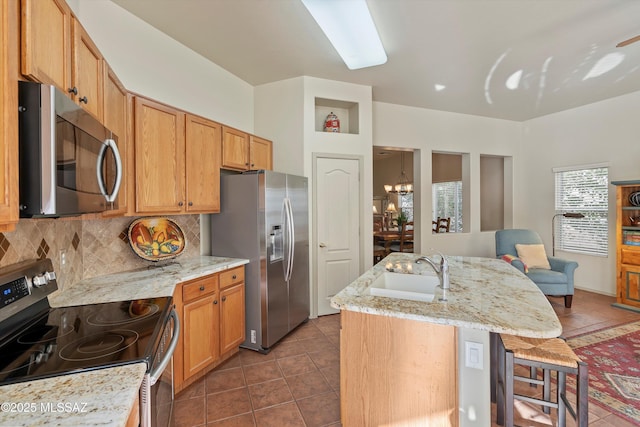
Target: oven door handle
(155, 373)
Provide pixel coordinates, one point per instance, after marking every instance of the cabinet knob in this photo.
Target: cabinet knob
(215, 301)
(202, 288)
(224, 299)
(73, 90)
(180, 203)
(190, 203)
(234, 277)
(84, 99)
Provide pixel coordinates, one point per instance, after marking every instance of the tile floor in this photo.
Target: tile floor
(297, 383)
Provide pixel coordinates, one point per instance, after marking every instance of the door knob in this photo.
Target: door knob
(322, 245)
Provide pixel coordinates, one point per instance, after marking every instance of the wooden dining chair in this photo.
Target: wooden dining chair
(444, 224)
(406, 239)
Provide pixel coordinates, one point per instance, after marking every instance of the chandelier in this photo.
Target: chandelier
(404, 185)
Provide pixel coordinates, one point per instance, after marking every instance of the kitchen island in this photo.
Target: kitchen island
(405, 362)
(104, 397)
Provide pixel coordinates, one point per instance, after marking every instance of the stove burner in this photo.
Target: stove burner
(99, 345)
(137, 311)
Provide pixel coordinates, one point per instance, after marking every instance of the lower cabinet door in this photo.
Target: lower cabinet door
(630, 290)
(231, 317)
(201, 335)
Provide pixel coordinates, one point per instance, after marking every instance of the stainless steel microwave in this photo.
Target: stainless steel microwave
(69, 162)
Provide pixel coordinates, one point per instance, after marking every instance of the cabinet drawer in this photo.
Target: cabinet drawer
(630, 257)
(228, 278)
(199, 288)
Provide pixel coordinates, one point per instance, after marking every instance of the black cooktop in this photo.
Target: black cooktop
(70, 339)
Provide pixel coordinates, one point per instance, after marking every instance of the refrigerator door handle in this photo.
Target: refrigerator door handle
(290, 235)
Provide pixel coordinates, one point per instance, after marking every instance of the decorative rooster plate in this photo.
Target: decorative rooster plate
(156, 238)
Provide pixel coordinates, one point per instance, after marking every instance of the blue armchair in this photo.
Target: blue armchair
(555, 282)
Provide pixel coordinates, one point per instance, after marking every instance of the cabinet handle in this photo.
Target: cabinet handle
(73, 90)
(190, 203)
(202, 288)
(224, 299)
(180, 203)
(234, 277)
(215, 301)
(84, 99)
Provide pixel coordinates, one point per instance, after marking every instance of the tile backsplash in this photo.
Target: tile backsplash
(89, 247)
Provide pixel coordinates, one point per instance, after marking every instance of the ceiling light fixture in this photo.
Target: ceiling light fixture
(350, 29)
(404, 185)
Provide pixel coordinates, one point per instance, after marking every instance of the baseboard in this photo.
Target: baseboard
(626, 307)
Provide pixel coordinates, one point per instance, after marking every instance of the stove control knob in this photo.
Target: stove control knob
(40, 280)
(50, 275)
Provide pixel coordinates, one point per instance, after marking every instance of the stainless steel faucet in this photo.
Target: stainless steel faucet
(442, 271)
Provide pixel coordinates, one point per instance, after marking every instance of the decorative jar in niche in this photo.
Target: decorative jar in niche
(332, 123)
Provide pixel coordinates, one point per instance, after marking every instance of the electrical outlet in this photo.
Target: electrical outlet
(63, 257)
(473, 355)
(254, 337)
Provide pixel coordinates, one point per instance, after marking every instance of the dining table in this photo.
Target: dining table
(387, 237)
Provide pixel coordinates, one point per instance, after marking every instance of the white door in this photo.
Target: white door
(338, 222)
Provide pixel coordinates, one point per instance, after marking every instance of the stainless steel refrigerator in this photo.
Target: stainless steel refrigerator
(264, 218)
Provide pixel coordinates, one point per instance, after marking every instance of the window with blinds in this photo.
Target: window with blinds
(584, 191)
(447, 202)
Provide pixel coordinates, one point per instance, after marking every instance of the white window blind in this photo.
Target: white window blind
(584, 191)
(447, 202)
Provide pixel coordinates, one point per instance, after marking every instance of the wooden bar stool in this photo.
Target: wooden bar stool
(549, 355)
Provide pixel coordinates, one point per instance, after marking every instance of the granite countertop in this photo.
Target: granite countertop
(486, 294)
(103, 397)
(159, 280)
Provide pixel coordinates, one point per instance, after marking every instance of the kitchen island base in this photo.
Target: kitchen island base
(397, 372)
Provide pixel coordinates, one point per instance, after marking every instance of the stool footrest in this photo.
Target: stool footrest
(528, 380)
(535, 400)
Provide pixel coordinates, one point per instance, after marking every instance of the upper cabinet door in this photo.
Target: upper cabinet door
(87, 71)
(117, 121)
(235, 149)
(9, 69)
(159, 157)
(46, 42)
(261, 153)
(202, 160)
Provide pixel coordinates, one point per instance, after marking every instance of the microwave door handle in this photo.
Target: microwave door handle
(109, 143)
(155, 373)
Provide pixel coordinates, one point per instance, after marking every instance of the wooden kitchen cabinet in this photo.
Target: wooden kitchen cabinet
(116, 119)
(242, 152)
(628, 244)
(57, 50)
(177, 160)
(9, 70)
(261, 153)
(202, 163)
(159, 157)
(211, 311)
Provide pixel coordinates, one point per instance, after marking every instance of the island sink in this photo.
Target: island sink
(416, 287)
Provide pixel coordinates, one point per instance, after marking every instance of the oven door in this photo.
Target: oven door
(156, 395)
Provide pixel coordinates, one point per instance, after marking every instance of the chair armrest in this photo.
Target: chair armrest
(515, 262)
(564, 266)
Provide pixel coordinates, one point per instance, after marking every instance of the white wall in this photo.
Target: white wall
(605, 131)
(431, 130)
(153, 64)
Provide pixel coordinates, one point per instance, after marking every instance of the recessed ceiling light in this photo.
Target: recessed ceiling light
(350, 29)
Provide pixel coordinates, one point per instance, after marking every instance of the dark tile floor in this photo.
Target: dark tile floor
(298, 382)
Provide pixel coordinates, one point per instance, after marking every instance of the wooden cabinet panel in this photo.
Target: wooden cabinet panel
(630, 256)
(379, 384)
(159, 157)
(200, 336)
(202, 160)
(231, 277)
(9, 69)
(261, 153)
(235, 149)
(630, 276)
(117, 121)
(199, 288)
(86, 71)
(231, 317)
(46, 42)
